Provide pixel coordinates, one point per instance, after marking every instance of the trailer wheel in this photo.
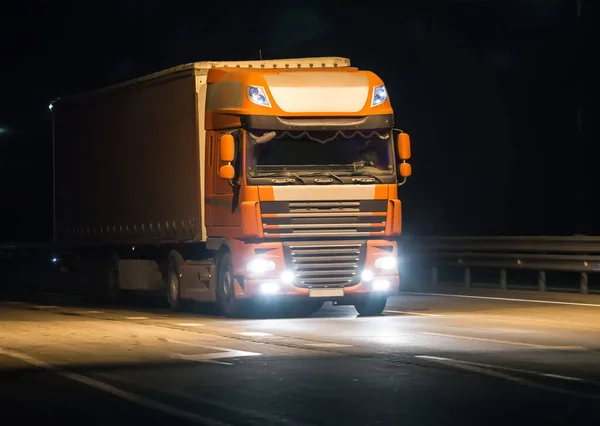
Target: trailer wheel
(113, 290)
(371, 306)
(173, 287)
(226, 300)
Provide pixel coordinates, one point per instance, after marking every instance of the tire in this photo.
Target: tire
(98, 276)
(371, 306)
(113, 290)
(173, 285)
(226, 300)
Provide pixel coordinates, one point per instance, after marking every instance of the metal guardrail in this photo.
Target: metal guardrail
(579, 254)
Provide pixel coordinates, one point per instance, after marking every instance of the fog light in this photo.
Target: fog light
(381, 285)
(269, 288)
(366, 275)
(287, 277)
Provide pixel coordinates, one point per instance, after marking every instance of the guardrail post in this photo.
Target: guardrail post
(503, 280)
(434, 276)
(468, 277)
(583, 283)
(542, 281)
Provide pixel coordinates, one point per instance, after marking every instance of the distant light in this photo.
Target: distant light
(3, 130)
(54, 259)
(51, 104)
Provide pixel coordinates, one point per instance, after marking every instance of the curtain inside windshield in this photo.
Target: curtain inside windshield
(301, 149)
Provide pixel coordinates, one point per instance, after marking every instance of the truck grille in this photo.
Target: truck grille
(325, 263)
(313, 219)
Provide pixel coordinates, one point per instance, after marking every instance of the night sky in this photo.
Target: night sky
(488, 90)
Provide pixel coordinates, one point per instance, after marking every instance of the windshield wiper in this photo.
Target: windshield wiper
(324, 173)
(363, 172)
(273, 174)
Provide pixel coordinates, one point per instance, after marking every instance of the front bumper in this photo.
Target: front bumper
(312, 274)
(258, 288)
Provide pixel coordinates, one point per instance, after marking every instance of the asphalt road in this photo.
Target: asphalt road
(430, 360)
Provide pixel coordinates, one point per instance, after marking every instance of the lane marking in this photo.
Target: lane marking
(45, 307)
(328, 345)
(512, 369)
(486, 369)
(506, 342)
(110, 389)
(412, 313)
(251, 413)
(88, 312)
(558, 376)
(508, 299)
(190, 324)
(14, 303)
(136, 318)
(255, 334)
(210, 357)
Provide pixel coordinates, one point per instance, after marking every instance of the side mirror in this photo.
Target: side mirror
(403, 146)
(227, 172)
(405, 170)
(227, 154)
(227, 148)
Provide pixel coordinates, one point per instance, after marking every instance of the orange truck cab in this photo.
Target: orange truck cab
(230, 182)
(308, 156)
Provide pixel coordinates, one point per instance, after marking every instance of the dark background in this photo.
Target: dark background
(495, 94)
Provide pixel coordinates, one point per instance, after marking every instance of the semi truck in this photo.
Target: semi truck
(232, 183)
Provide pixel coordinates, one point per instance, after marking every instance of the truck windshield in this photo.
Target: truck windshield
(271, 153)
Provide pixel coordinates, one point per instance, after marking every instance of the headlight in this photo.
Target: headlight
(257, 95)
(260, 266)
(366, 275)
(379, 95)
(288, 277)
(387, 263)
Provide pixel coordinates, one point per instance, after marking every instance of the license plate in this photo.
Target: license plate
(326, 292)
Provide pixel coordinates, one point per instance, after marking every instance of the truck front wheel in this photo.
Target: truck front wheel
(371, 306)
(228, 303)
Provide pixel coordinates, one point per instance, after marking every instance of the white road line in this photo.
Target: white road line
(248, 413)
(506, 342)
(507, 299)
(105, 387)
(190, 324)
(45, 307)
(486, 370)
(136, 318)
(327, 345)
(254, 334)
(413, 313)
(88, 312)
(210, 357)
(14, 303)
(512, 369)
(558, 376)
